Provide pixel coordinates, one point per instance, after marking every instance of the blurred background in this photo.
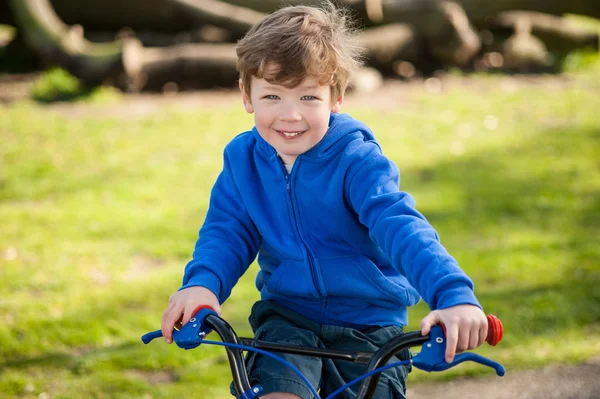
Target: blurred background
(113, 118)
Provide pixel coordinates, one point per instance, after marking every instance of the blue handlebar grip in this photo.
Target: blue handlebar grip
(146, 338)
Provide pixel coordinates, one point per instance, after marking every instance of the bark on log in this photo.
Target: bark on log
(6, 16)
(523, 51)
(388, 43)
(478, 11)
(159, 15)
(204, 34)
(222, 14)
(559, 34)
(427, 12)
(188, 65)
(461, 43)
(163, 15)
(426, 15)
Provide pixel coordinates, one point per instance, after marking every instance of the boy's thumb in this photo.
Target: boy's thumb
(432, 319)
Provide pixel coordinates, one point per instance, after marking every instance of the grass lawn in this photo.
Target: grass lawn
(99, 215)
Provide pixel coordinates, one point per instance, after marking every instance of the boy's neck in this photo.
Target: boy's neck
(288, 159)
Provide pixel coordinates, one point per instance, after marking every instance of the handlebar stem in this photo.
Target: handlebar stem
(235, 356)
(383, 355)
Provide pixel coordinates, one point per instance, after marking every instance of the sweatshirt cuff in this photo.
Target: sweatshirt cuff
(457, 294)
(207, 279)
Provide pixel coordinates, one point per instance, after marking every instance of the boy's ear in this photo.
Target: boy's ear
(246, 99)
(337, 104)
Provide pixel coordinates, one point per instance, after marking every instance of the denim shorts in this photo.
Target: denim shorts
(274, 323)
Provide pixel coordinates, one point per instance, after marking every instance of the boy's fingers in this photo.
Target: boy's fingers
(451, 341)
(163, 324)
(475, 337)
(167, 311)
(169, 320)
(464, 339)
(483, 334)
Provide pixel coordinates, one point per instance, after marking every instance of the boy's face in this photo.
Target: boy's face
(292, 120)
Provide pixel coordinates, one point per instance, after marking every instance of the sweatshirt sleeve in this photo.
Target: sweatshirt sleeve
(405, 236)
(228, 240)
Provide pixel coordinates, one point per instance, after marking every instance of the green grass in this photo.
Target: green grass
(57, 84)
(99, 216)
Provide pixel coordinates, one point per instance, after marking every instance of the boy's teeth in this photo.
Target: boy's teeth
(290, 134)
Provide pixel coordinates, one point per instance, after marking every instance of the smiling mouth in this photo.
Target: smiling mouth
(290, 135)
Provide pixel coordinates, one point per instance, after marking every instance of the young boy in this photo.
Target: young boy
(342, 252)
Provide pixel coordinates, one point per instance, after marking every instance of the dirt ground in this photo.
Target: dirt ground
(580, 381)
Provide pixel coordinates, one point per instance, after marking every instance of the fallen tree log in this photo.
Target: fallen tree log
(559, 34)
(124, 62)
(193, 41)
(56, 42)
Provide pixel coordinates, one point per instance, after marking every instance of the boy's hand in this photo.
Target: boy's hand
(182, 304)
(466, 327)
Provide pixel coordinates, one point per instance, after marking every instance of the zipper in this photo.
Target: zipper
(311, 262)
(287, 186)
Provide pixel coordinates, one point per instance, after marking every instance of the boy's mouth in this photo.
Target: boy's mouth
(290, 135)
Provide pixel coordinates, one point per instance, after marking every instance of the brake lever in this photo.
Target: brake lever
(431, 357)
(191, 334)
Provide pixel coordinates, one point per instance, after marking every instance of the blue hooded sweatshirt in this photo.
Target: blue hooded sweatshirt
(336, 239)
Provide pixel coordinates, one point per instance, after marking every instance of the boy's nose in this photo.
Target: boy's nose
(289, 112)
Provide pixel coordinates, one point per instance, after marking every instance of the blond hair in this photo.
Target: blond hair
(297, 42)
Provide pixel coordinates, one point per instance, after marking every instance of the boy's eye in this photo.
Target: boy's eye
(271, 97)
(308, 98)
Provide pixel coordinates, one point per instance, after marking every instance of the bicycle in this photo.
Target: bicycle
(430, 358)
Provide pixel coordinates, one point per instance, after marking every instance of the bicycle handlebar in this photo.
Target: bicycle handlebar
(430, 358)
